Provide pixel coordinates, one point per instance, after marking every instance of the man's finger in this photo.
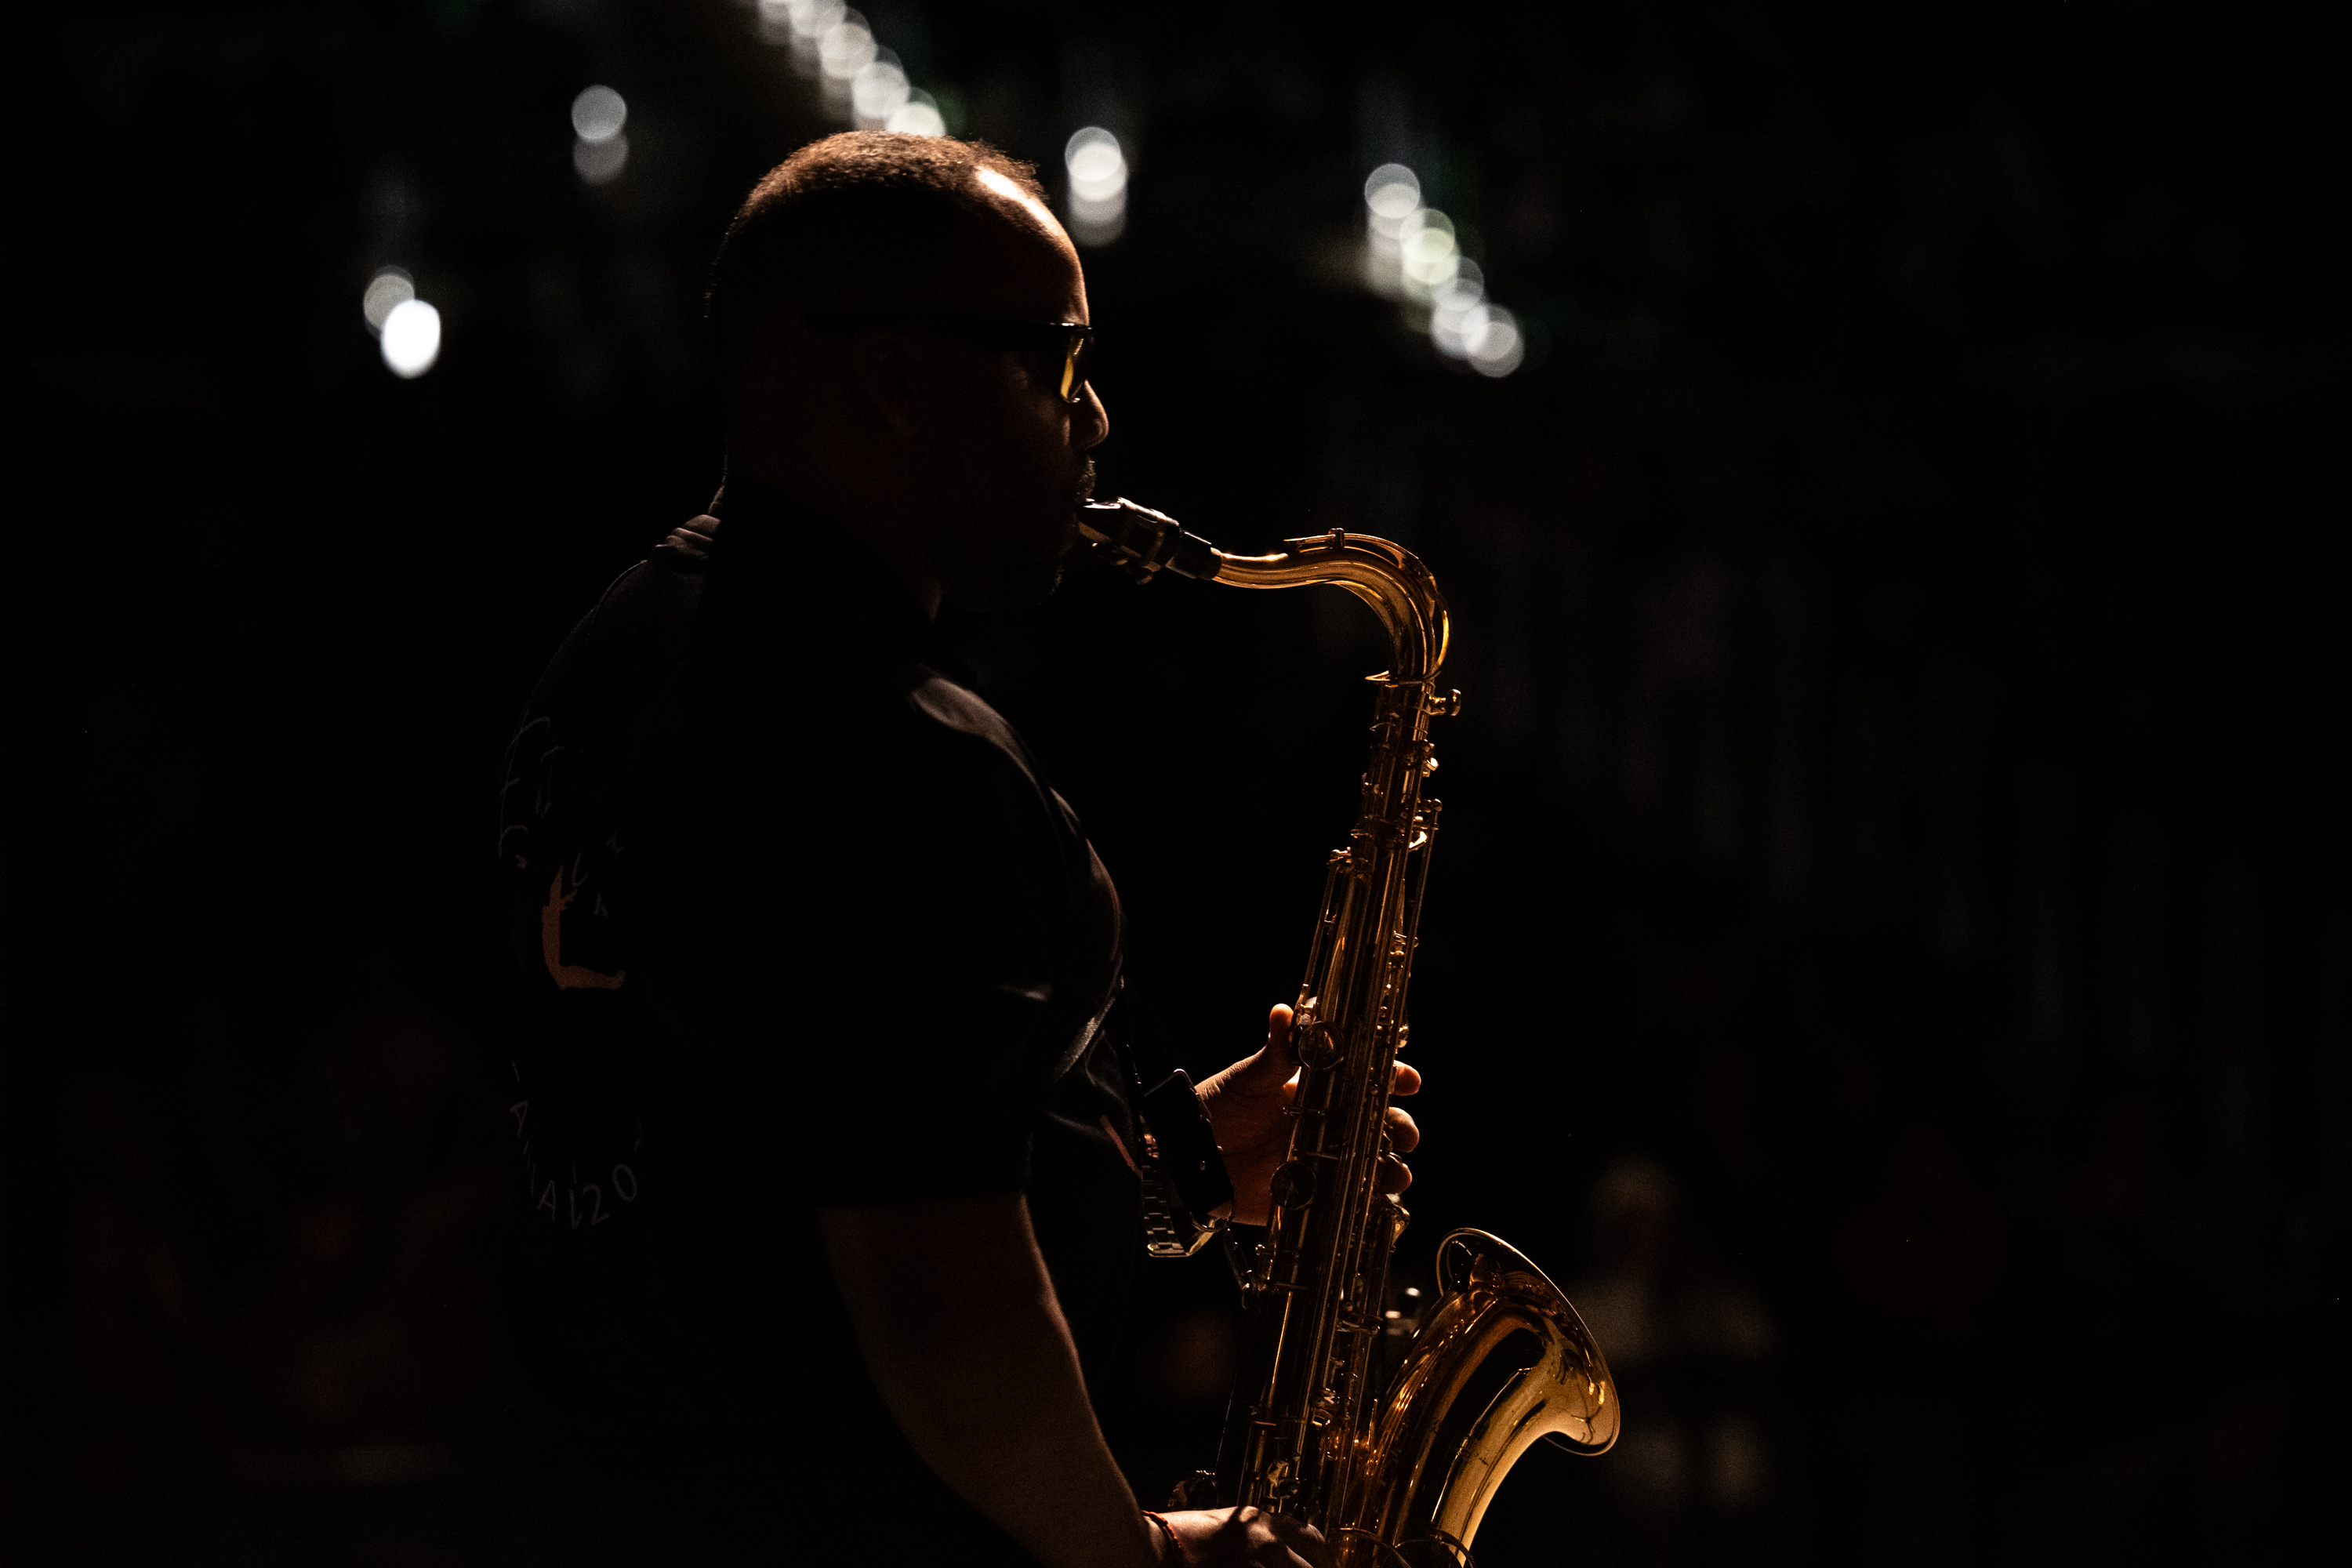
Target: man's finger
(1265, 1071)
(1394, 1176)
(1277, 1033)
(1405, 1081)
(1404, 1133)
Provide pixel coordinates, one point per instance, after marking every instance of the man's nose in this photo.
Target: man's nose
(1091, 421)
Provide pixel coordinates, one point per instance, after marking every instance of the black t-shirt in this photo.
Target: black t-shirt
(799, 926)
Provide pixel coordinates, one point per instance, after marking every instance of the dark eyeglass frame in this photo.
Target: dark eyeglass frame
(1073, 342)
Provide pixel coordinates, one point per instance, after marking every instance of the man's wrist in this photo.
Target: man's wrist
(1173, 1554)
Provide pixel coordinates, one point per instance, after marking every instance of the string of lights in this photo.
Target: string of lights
(1413, 253)
(862, 82)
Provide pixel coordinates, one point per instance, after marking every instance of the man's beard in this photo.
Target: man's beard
(1014, 541)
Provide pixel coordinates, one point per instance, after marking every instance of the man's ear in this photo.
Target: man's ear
(887, 372)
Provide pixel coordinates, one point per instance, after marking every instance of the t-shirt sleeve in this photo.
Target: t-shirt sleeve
(919, 1014)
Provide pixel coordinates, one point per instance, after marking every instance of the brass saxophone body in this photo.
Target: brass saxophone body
(1400, 1474)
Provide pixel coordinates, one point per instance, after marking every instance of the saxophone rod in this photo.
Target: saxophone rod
(1144, 543)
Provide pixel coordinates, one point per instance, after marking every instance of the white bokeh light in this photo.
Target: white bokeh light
(847, 47)
(812, 19)
(412, 339)
(776, 22)
(389, 289)
(878, 91)
(1492, 336)
(919, 116)
(1392, 193)
(1097, 170)
(1428, 253)
(600, 162)
(863, 83)
(598, 114)
(1450, 310)
(1413, 253)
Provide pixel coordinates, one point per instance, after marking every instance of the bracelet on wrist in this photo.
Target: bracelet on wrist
(1175, 1547)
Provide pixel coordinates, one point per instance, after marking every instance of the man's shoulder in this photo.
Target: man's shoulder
(939, 748)
(961, 721)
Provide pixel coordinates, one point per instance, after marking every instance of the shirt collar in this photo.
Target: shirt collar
(815, 559)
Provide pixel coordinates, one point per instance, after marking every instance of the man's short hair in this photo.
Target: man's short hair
(858, 221)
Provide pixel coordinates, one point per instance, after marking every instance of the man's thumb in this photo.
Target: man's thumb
(1281, 1044)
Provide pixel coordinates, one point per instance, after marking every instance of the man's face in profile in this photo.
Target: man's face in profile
(1011, 465)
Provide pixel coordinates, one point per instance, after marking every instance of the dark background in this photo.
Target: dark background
(1891, 954)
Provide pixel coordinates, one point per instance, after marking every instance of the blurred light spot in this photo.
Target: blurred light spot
(1391, 198)
(1413, 253)
(1734, 1461)
(812, 19)
(412, 339)
(391, 286)
(598, 114)
(1427, 254)
(1492, 337)
(1451, 309)
(1096, 166)
(1392, 193)
(600, 162)
(878, 91)
(776, 21)
(1097, 170)
(919, 116)
(847, 47)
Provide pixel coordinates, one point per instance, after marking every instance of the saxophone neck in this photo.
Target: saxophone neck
(1387, 576)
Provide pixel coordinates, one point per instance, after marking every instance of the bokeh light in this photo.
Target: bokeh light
(600, 162)
(878, 91)
(847, 47)
(412, 339)
(863, 82)
(812, 20)
(1450, 308)
(1097, 170)
(1428, 253)
(776, 21)
(598, 114)
(1391, 194)
(1492, 336)
(391, 286)
(919, 116)
(1413, 253)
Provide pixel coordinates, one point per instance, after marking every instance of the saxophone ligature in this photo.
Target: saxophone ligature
(1403, 1474)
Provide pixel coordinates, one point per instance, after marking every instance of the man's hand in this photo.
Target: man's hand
(1249, 1108)
(1241, 1538)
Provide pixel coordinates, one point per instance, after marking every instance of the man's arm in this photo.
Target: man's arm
(957, 1317)
(958, 1320)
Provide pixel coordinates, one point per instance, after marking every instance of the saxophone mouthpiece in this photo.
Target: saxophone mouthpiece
(1143, 544)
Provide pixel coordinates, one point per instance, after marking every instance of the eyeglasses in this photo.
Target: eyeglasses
(1071, 342)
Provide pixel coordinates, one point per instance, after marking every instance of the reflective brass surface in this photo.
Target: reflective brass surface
(1404, 1474)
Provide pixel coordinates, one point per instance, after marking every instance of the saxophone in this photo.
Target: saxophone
(1398, 1477)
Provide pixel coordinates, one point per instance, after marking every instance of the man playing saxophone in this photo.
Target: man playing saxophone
(829, 1159)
